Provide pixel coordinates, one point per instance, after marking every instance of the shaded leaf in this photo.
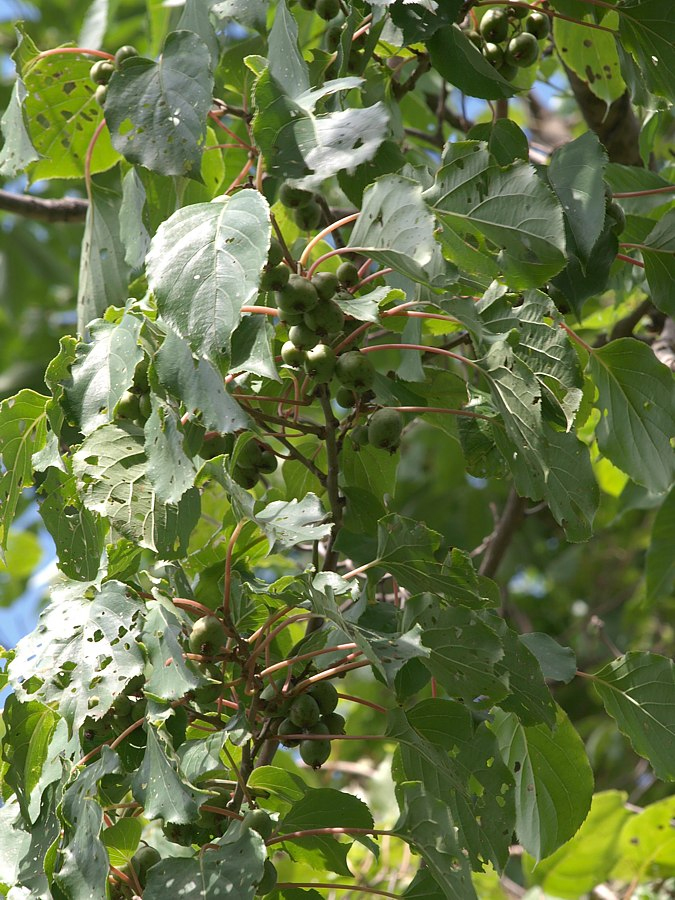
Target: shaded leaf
(660, 556)
(659, 257)
(170, 470)
(461, 63)
(557, 662)
(646, 28)
(171, 675)
(17, 150)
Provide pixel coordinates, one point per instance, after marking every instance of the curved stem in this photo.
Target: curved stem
(81, 51)
(440, 409)
(243, 144)
(192, 606)
(309, 832)
(333, 886)
(88, 158)
(362, 702)
(303, 656)
(661, 190)
(261, 310)
(629, 259)
(339, 251)
(423, 349)
(373, 277)
(346, 220)
(228, 570)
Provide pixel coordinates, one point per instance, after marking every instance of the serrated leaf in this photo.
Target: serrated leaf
(17, 150)
(252, 347)
(159, 787)
(529, 697)
(636, 689)
(195, 17)
(200, 758)
(425, 823)
(84, 645)
(646, 29)
(104, 274)
(461, 63)
(660, 556)
(103, 370)
(509, 207)
(396, 229)
(591, 54)
(61, 116)
(287, 65)
(576, 174)
(586, 860)
(23, 432)
(171, 675)
(204, 264)
(557, 662)
(121, 840)
(25, 748)
(637, 413)
(505, 140)
(554, 780)
(111, 469)
(658, 253)
(170, 470)
(156, 111)
(199, 385)
(231, 868)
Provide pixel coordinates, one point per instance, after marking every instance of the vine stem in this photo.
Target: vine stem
(334, 886)
(647, 193)
(261, 310)
(88, 158)
(575, 337)
(303, 736)
(372, 277)
(629, 259)
(82, 51)
(346, 220)
(353, 699)
(339, 251)
(440, 409)
(275, 618)
(192, 606)
(329, 673)
(240, 177)
(228, 569)
(423, 349)
(303, 656)
(310, 832)
(243, 144)
(332, 475)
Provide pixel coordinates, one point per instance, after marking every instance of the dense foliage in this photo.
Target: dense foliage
(352, 333)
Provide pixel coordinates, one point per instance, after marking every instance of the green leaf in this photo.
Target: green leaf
(659, 258)
(199, 385)
(83, 873)
(104, 275)
(529, 697)
(425, 823)
(159, 787)
(171, 675)
(17, 150)
(396, 229)
(111, 469)
(170, 470)
(23, 432)
(646, 844)
(505, 140)
(591, 54)
(199, 759)
(554, 780)
(25, 747)
(636, 690)
(285, 788)
(62, 116)
(646, 28)
(103, 370)
(156, 111)
(557, 663)
(576, 175)
(287, 66)
(462, 64)
(579, 282)
(637, 416)
(586, 860)
(84, 645)
(232, 867)
(511, 208)
(252, 347)
(195, 17)
(660, 556)
(204, 264)
(121, 840)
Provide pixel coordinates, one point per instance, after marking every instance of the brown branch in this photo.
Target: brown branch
(664, 346)
(498, 542)
(67, 209)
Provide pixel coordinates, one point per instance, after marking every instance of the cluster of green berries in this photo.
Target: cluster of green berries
(509, 38)
(135, 405)
(382, 431)
(102, 71)
(312, 713)
(254, 459)
(327, 9)
(305, 210)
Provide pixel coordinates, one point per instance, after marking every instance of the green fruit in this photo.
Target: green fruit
(314, 753)
(207, 635)
(325, 695)
(299, 295)
(101, 72)
(307, 217)
(250, 455)
(494, 26)
(275, 278)
(348, 274)
(508, 70)
(308, 4)
(126, 52)
(345, 397)
(494, 54)
(474, 37)
(518, 12)
(292, 355)
(328, 9)
(320, 363)
(384, 429)
(304, 711)
(218, 445)
(293, 197)
(142, 860)
(354, 370)
(288, 727)
(326, 318)
(326, 284)
(609, 195)
(144, 407)
(208, 693)
(268, 462)
(616, 213)
(522, 50)
(260, 821)
(268, 881)
(360, 436)
(538, 24)
(246, 478)
(100, 94)
(334, 722)
(275, 254)
(128, 406)
(291, 318)
(332, 37)
(302, 337)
